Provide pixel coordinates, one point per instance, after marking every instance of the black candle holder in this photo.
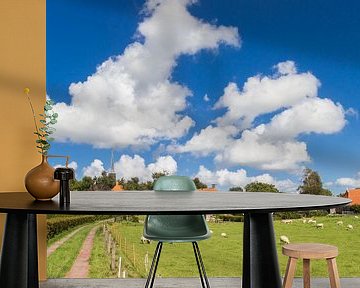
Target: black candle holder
(64, 175)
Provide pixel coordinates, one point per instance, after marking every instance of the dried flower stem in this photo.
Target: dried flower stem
(34, 116)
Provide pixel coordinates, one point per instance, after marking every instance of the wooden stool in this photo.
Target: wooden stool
(308, 251)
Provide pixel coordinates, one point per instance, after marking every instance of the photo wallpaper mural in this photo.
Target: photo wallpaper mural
(230, 92)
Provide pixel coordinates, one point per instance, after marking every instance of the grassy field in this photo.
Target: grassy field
(222, 256)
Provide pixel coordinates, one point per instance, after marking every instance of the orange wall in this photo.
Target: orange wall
(22, 64)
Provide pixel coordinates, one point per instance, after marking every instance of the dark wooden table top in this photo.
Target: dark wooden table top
(150, 202)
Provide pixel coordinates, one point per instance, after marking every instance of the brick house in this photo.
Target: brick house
(354, 195)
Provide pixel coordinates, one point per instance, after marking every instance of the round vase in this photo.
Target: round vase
(40, 183)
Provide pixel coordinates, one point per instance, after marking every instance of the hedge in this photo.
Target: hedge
(56, 225)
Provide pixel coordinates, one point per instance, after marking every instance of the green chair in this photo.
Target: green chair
(176, 228)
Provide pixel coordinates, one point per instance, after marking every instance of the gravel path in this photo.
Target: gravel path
(80, 268)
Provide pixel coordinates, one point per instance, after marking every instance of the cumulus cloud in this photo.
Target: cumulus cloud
(131, 99)
(128, 167)
(349, 182)
(227, 178)
(296, 109)
(94, 169)
(72, 164)
(207, 141)
(206, 98)
(265, 94)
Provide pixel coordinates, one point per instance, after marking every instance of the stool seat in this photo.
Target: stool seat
(307, 251)
(310, 251)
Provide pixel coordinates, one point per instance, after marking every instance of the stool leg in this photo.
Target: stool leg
(306, 273)
(290, 272)
(333, 273)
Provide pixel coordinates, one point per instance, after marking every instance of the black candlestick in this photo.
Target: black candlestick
(64, 175)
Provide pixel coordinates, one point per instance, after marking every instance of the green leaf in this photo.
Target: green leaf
(56, 115)
(53, 121)
(42, 121)
(49, 139)
(47, 107)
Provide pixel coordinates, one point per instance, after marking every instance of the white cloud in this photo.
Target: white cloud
(72, 164)
(262, 95)
(227, 178)
(275, 145)
(95, 169)
(131, 100)
(206, 98)
(349, 182)
(285, 68)
(209, 140)
(164, 164)
(128, 167)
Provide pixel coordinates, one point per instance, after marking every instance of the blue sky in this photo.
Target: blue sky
(232, 93)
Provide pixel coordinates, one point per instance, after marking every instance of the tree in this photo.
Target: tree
(105, 182)
(260, 187)
(236, 188)
(85, 184)
(199, 184)
(312, 184)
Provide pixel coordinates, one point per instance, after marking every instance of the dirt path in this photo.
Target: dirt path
(80, 268)
(51, 249)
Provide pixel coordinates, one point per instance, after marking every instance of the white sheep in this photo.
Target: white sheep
(349, 227)
(357, 217)
(284, 239)
(312, 221)
(339, 223)
(223, 235)
(286, 221)
(144, 240)
(320, 225)
(304, 221)
(211, 231)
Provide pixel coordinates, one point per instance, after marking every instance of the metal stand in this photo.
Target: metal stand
(203, 278)
(151, 277)
(19, 261)
(260, 262)
(154, 264)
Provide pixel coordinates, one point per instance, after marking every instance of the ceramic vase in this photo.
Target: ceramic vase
(40, 183)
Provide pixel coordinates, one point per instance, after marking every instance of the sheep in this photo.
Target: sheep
(224, 235)
(357, 217)
(320, 225)
(286, 221)
(284, 239)
(144, 240)
(304, 221)
(211, 231)
(339, 223)
(312, 221)
(349, 227)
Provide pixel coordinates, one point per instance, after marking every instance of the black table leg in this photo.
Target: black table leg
(260, 261)
(19, 262)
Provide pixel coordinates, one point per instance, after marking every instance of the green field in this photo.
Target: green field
(223, 256)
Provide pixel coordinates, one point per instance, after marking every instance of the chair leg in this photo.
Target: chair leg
(289, 273)
(333, 273)
(154, 264)
(306, 273)
(203, 277)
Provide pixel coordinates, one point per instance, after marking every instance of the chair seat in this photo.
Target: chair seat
(176, 228)
(310, 251)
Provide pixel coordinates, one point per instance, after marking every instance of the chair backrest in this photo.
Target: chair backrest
(174, 183)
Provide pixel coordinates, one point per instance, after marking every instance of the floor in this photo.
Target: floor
(179, 283)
